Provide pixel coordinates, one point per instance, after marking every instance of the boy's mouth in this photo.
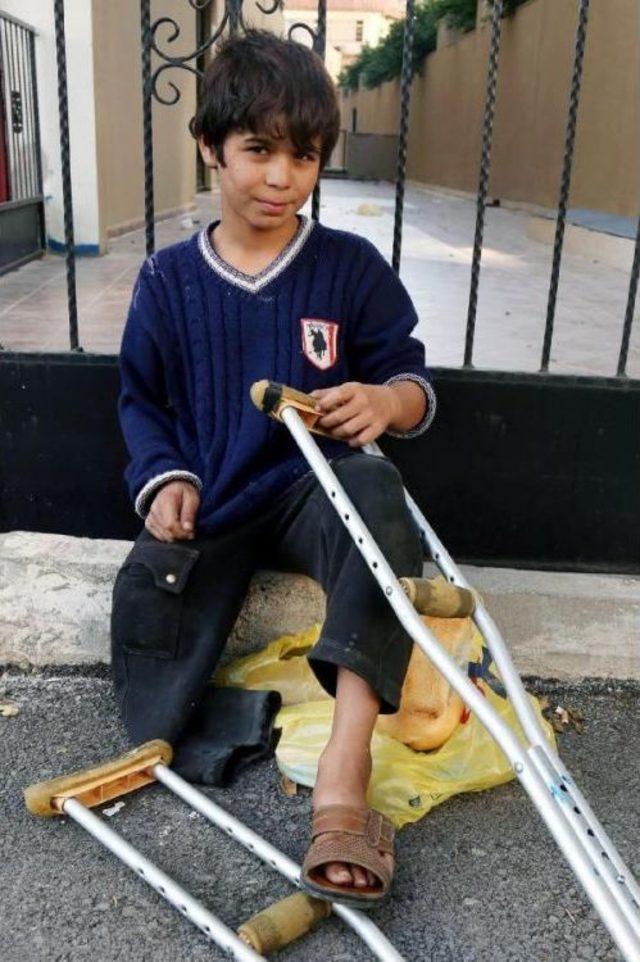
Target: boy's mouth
(272, 207)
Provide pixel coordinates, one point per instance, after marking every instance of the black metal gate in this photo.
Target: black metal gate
(556, 458)
(21, 202)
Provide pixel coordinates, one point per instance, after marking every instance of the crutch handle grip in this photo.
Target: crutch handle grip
(432, 596)
(283, 922)
(271, 397)
(94, 786)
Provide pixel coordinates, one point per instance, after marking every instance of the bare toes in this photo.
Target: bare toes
(359, 876)
(338, 873)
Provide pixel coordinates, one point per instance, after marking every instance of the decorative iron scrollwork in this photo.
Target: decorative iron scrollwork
(303, 26)
(232, 19)
(277, 5)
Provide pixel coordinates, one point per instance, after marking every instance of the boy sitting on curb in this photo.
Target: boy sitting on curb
(265, 293)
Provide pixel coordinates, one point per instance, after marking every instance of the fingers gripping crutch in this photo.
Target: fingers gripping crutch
(75, 794)
(541, 773)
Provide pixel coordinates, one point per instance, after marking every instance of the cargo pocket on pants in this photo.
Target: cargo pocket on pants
(148, 599)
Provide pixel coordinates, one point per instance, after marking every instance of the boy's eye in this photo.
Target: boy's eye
(263, 149)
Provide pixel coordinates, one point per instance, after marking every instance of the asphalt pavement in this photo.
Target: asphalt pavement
(478, 880)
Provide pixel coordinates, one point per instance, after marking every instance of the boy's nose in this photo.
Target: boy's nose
(278, 172)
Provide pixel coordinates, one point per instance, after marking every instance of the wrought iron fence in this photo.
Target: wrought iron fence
(21, 215)
(232, 20)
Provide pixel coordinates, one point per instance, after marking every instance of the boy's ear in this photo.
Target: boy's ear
(208, 154)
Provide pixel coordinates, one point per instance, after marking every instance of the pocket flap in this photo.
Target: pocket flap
(169, 563)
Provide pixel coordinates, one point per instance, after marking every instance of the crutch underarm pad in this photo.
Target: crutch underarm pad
(94, 786)
(271, 398)
(432, 596)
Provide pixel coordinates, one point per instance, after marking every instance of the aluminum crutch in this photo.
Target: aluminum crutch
(605, 859)
(75, 794)
(542, 775)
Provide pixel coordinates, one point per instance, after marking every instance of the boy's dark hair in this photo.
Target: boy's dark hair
(267, 85)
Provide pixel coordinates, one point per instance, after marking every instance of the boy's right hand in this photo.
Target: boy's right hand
(173, 512)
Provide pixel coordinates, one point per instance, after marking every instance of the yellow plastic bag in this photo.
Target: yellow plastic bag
(405, 784)
(281, 666)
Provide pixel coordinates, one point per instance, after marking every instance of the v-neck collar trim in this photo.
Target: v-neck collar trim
(255, 282)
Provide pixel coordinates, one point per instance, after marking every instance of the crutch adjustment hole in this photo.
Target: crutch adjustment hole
(333, 494)
(359, 540)
(141, 871)
(621, 879)
(161, 889)
(563, 788)
(374, 564)
(346, 517)
(183, 908)
(577, 810)
(272, 863)
(591, 832)
(605, 856)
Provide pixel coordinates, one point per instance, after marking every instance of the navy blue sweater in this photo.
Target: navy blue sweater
(329, 309)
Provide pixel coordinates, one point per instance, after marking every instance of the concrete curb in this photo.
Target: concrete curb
(55, 600)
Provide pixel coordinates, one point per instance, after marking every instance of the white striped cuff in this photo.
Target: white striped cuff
(149, 491)
(430, 413)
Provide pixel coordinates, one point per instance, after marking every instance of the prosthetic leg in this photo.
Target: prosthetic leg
(607, 881)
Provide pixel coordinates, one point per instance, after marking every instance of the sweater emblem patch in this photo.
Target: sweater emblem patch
(320, 341)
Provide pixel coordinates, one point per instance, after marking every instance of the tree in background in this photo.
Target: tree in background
(376, 65)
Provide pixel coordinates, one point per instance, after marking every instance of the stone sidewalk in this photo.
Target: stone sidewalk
(436, 257)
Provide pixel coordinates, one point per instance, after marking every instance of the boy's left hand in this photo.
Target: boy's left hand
(356, 413)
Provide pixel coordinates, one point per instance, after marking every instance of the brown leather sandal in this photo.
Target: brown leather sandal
(344, 833)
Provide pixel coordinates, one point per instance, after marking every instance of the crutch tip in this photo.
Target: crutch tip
(283, 922)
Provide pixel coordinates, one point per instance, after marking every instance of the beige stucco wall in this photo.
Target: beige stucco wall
(118, 93)
(378, 110)
(535, 70)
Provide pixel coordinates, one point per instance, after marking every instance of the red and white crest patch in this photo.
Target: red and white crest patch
(319, 341)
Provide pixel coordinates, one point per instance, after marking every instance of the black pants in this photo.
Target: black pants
(174, 604)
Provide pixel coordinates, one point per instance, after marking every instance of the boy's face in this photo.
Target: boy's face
(264, 180)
